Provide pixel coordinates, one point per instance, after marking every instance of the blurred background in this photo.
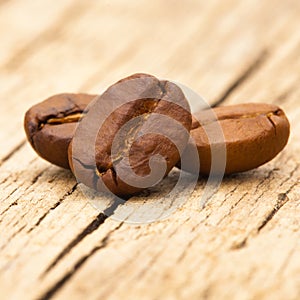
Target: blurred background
(211, 46)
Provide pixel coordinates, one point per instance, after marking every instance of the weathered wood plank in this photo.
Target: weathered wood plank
(249, 229)
(243, 245)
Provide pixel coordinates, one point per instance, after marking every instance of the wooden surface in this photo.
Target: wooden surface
(245, 244)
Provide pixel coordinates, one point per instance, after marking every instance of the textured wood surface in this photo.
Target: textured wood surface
(245, 244)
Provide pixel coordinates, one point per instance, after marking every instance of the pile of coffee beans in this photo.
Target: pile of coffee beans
(131, 136)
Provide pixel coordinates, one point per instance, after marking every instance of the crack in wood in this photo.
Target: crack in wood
(63, 280)
(262, 182)
(10, 205)
(120, 270)
(240, 245)
(94, 225)
(59, 202)
(185, 251)
(270, 173)
(4, 180)
(290, 175)
(36, 178)
(109, 211)
(191, 242)
(231, 208)
(282, 199)
(245, 75)
(39, 221)
(227, 195)
(12, 152)
(243, 242)
(12, 236)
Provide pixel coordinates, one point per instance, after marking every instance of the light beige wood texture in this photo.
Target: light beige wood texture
(245, 244)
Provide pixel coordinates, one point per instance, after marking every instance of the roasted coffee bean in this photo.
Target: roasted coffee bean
(143, 118)
(50, 125)
(253, 135)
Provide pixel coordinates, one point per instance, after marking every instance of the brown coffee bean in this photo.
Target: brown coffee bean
(142, 117)
(253, 135)
(50, 125)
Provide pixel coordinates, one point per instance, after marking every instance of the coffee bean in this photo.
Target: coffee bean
(50, 125)
(253, 135)
(130, 134)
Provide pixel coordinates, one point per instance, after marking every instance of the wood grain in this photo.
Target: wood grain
(54, 244)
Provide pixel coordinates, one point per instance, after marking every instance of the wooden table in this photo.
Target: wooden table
(245, 244)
